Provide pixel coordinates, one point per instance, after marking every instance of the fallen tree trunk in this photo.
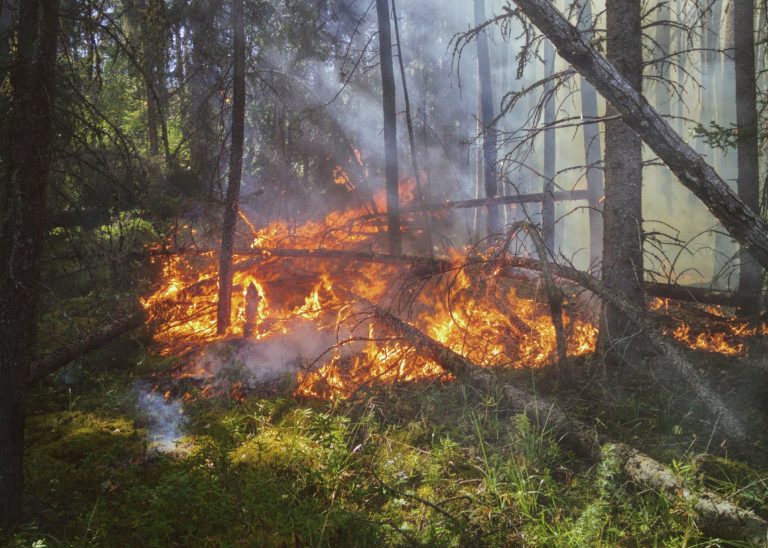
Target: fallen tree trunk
(700, 295)
(717, 516)
(685, 371)
(57, 359)
(562, 196)
(436, 265)
(740, 221)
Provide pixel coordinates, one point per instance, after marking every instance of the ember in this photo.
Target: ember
(450, 308)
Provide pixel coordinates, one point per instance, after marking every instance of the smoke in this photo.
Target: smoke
(277, 357)
(164, 418)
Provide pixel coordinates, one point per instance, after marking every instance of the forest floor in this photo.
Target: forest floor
(434, 464)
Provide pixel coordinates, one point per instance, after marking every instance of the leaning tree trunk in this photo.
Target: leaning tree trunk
(22, 198)
(622, 211)
(744, 224)
(592, 149)
(390, 128)
(750, 273)
(485, 91)
(224, 307)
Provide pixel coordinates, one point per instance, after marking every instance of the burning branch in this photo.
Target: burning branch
(554, 293)
(716, 515)
(431, 264)
(683, 368)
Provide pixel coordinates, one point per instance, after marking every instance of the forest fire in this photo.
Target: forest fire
(492, 324)
(722, 333)
(290, 279)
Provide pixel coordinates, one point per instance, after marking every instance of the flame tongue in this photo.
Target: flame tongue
(286, 304)
(271, 295)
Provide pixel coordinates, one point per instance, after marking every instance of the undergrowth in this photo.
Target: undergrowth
(427, 464)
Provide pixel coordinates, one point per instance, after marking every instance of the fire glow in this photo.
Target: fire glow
(490, 323)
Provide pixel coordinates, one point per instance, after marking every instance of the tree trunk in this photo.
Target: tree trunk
(200, 114)
(715, 515)
(622, 211)
(693, 172)
(592, 150)
(663, 84)
(390, 128)
(61, 357)
(231, 204)
(23, 198)
(151, 52)
(485, 91)
(411, 137)
(750, 273)
(548, 206)
(725, 114)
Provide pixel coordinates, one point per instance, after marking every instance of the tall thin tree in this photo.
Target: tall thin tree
(231, 203)
(420, 194)
(22, 227)
(490, 178)
(592, 149)
(390, 128)
(550, 149)
(750, 273)
(622, 213)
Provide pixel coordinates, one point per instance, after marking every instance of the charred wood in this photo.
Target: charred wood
(699, 295)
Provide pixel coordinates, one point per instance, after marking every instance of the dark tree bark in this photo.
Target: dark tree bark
(622, 210)
(490, 180)
(750, 273)
(390, 128)
(592, 150)
(22, 227)
(744, 224)
(231, 204)
(152, 21)
(201, 86)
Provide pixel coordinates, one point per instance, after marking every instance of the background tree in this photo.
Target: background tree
(232, 202)
(390, 128)
(490, 146)
(622, 209)
(750, 273)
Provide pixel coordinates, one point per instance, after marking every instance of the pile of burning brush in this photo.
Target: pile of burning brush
(299, 309)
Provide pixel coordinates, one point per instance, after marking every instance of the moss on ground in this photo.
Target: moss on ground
(426, 464)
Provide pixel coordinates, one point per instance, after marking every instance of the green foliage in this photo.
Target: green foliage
(442, 466)
(717, 136)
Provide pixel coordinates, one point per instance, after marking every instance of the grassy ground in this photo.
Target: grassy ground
(426, 464)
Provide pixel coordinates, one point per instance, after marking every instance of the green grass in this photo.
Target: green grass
(426, 465)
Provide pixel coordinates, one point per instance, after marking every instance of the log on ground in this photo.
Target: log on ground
(716, 516)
